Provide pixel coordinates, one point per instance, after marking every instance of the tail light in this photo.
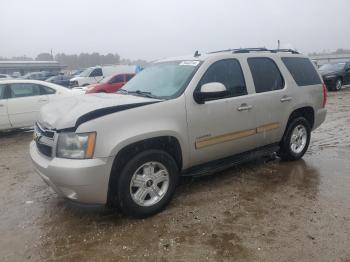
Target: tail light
(324, 96)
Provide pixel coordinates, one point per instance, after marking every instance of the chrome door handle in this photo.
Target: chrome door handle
(286, 99)
(244, 107)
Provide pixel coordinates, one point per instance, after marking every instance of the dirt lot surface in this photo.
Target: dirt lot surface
(275, 211)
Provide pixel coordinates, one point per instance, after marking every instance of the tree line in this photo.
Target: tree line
(339, 51)
(83, 60)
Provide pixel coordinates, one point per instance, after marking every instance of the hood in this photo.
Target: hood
(73, 111)
(329, 72)
(77, 78)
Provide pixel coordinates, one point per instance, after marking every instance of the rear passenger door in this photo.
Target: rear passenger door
(273, 101)
(24, 104)
(4, 120)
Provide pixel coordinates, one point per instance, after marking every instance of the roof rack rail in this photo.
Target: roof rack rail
(221, 51)
(248, 50)
(285, 50)
(257, 49)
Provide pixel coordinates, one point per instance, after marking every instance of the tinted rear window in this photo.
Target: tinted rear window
(303, 72)
(266, 75)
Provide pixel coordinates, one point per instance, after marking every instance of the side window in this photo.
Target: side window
(24, 90)
(128, 77)
(96, 72)
(44, 90)
(117, 79)
(2, 91)
(229, 73)
(266, 75)
(302, 70)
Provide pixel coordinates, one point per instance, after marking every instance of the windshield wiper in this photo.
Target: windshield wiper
(143, 93)
(121, 90)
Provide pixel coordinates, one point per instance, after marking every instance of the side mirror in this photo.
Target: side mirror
(210, 91)
(348, 69)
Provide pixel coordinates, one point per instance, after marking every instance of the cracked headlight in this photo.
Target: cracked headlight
(76, 146)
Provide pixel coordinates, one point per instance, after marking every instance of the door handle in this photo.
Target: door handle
(1, 105)
(43, 100)
(244, 107)
(286, 99)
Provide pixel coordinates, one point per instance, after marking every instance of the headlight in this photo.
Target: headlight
(76, 146)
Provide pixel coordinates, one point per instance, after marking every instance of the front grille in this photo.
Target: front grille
(44, 140)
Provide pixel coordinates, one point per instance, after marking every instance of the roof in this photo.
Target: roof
(245, 52)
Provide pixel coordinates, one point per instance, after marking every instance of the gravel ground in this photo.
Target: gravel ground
(275, 211)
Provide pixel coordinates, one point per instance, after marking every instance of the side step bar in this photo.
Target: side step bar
(228, 162)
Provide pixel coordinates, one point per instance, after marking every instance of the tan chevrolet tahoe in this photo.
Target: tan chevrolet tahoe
(189, 115)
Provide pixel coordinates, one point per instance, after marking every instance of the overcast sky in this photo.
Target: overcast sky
(151, 29)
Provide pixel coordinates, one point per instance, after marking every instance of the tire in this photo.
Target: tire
(289, 149)
(136, 188)
(338, 84)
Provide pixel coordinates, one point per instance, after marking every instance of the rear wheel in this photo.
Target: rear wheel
(147, 183)
(296, 139)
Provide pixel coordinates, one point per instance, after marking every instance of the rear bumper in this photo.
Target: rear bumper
(83, 181)
(320, 117)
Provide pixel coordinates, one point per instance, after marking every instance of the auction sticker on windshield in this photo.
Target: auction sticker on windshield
(189, 63)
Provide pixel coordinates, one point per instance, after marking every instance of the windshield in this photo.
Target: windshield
(335, 67)
(163, 80)
(86, 72)
(106, 79)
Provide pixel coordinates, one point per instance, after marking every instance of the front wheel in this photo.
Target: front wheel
(338, 85)
(296, 139)
(147, 183)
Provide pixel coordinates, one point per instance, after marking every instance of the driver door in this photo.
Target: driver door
(347, 74)
(225, 126)
(4, 119)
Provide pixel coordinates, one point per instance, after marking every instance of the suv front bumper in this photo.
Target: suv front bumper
(84, 181)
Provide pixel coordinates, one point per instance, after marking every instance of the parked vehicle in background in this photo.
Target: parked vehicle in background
(21, 100)
(16, 75)
(34, 76)
(335, 75)
(181, 116)
(93, 75)
(62, 80)
(110, 84)
(4, 76)
(76, 72)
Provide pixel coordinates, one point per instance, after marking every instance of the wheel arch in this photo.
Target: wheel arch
(169, 144)
(307, 112)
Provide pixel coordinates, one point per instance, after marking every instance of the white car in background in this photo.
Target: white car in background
(4, 77)
(21, 100)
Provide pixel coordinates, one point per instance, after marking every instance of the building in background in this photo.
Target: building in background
(18, 68)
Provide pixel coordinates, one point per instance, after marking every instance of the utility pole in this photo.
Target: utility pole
(278, 44)
(51, 54)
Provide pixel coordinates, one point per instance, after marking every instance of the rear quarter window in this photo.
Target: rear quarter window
(302, 70)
